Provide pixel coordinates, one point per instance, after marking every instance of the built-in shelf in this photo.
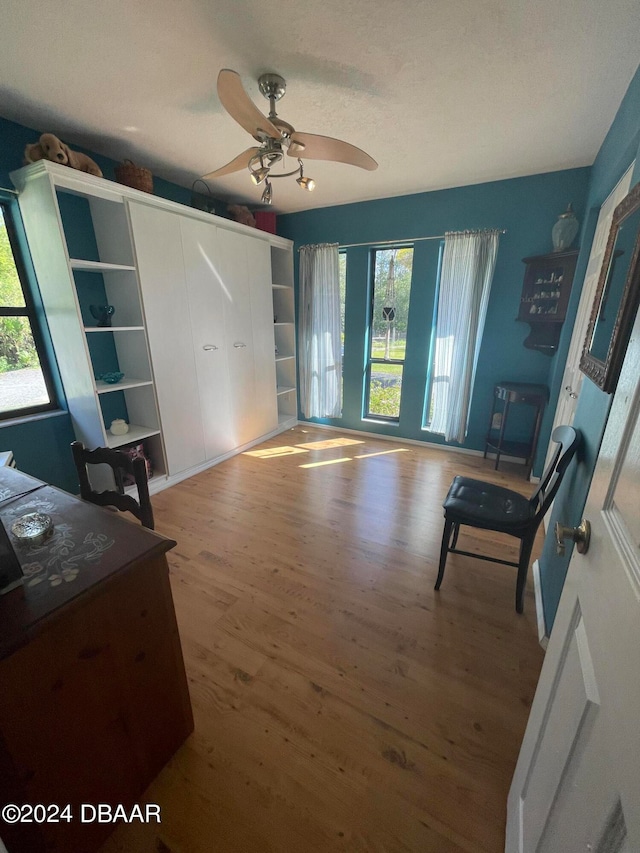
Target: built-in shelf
(136, 433)
(105, 387)
(98, 266)
(114, 328)
(130, 264)
(284, 333)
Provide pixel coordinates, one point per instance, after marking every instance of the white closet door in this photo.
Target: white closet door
(158, 247)
(207, 295)
(234, 249)
(265, 408)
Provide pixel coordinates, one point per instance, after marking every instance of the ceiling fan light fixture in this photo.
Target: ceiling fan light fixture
(305, 183)
(259, 175)
(267, 193)
(277, 138)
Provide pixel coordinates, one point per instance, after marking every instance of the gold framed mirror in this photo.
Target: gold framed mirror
(616, 299)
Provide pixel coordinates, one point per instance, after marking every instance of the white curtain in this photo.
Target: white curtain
(468, 263)
(319, 341)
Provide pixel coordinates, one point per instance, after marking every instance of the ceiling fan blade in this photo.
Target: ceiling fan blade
(326, 148)
(238, 163)
(241, 108)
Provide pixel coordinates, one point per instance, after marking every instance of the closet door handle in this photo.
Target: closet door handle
(209, 347)
(239, 344)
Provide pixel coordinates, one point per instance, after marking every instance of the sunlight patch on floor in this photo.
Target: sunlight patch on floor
(274, 452)
(383, 453)
(330, 442)
(326, 462)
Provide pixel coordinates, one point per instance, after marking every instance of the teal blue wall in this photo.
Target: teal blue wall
(41, 446)
(526, 207)
(621, 146)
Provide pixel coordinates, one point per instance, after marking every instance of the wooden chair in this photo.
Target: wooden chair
(121, 464)
(475, 503)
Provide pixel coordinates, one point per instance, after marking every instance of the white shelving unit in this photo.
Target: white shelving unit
(70, 283)
(284, 333)
(190, 290)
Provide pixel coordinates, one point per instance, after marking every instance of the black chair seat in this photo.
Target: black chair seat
(480, 504)
(475, 503)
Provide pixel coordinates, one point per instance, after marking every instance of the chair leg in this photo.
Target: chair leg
(444, 550)
(456, 530)
(526, 546)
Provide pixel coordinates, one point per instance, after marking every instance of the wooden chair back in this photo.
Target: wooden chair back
(120, 463)
(567, 440)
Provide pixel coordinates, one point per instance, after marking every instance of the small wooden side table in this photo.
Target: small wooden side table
(509, 393)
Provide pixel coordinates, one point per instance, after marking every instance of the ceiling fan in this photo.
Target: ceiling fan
(277, 137)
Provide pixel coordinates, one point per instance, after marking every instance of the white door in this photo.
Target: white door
(576, 785)
(572, 377)
(207, 295)
(158, 247)
(234, 250)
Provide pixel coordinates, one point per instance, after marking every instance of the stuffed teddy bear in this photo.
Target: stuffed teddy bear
(49, 147)
(242, 214)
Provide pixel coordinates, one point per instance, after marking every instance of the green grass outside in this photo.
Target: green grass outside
(397, 351)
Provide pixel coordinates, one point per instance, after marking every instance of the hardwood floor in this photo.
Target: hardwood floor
(340, 703)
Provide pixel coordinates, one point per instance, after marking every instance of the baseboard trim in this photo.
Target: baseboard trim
(401, 440)
(543, 637)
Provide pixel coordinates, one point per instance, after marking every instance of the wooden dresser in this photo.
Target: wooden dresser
(93, 692)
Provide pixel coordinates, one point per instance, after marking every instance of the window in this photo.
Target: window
(391, 288)
(25, 380)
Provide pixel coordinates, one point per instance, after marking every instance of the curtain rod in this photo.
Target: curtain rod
(408, 240)
(7, 190)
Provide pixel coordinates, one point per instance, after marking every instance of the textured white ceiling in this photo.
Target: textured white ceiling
(441, 93)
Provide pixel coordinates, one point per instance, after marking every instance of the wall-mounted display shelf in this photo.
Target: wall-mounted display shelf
(545, 297)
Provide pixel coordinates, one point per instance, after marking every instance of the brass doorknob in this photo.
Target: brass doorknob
(581, 535)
